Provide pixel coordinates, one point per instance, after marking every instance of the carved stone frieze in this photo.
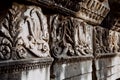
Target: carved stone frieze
(70, 37)
(114, 41)
(101, 40)
(24, 33)
(83, 34)
(62, 36)
(106, 41)
(93, 11)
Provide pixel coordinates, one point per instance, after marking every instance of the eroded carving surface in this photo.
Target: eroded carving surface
(83, 37)
(113, 41)
(101, 37)
(62, 32)
(24, 33)
(70, 37)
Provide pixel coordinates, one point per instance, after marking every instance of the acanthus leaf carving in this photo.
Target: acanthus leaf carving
(25, 29)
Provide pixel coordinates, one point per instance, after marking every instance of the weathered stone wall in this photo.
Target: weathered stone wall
(73, 32)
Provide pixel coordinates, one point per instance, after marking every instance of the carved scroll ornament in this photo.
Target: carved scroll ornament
(62, 42)
(67, 38)
(24, 33)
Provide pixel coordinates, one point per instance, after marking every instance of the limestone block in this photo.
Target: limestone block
(30, 69)
(70, 37)
(73, 69)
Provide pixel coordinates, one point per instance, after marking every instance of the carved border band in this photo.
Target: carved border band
(24, 65)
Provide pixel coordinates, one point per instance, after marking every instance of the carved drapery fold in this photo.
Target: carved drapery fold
(24, 33)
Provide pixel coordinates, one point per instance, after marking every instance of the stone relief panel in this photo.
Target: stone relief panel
(62, 36)
(106, 41)
(114, 41)
(83, 34)
(24, 33)
(118, 41)
(70, 37)
(101, 40)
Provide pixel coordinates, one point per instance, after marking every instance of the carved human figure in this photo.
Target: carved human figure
(24, 33)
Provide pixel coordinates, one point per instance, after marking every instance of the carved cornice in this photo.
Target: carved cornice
(93, 11)
(24, 64)
(66, 7)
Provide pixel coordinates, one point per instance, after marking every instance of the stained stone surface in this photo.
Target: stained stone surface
(31, 69)
(24, 33)
(70, 37)
(107, 68)
(72, 68)
(80, 35)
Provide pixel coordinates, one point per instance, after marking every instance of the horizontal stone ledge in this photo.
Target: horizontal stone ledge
(49, 5)
(24, 64)
(106, 55)
(73, 59)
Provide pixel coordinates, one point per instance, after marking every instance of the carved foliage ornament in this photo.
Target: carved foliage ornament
(101, 40)
(23, 33)
(67, 38)
(106, 41)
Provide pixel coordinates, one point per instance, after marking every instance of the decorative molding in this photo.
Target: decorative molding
(108, 55)
(70, 37)
(24, 33)
(93, 11)
(73, 59)
(65, 7)
(24, 65)
(106, 41)
(101, 40)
